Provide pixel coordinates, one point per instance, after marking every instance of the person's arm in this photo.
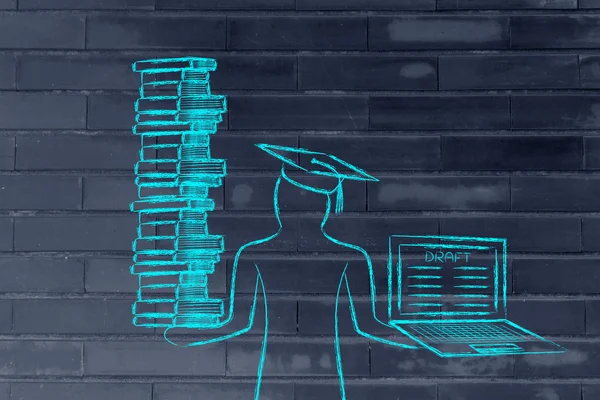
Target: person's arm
(386, 333)
(233, 315)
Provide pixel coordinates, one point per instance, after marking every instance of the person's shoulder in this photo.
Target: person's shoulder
(355, 251)
(247, 253)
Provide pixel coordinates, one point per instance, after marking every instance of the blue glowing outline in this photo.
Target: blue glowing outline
(478, 325)
(193, 115)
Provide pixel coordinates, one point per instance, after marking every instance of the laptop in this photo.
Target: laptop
(448, 294)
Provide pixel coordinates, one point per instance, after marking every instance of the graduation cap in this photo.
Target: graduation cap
(321, 164)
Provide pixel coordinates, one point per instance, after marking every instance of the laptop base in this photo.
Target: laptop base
(455, 338)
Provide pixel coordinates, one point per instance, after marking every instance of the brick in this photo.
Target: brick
(40, 275)
(316, 317)
(76, 391)
(373, 72)
(77, 233)
(242, 154)
(297, 33)
(75, 316)
(590, 391)
(110, 358)
(508, 72)
(523, 233)
(255, 228)
(360, 5)
(589, 4)
(589, 70)
(7, 70)
(7, 153)
(380, 390)
(110, 275)
(225, 5)
(6, 319)
(254, 72)
(555, 112)
(180, 32)
(393, 152)
(592, 317)
(229, 390)
(77, 72)
(305, 357)
(86, 152)
(40, 192)
(591, 233)
(306, 275)
(439, 193)
(46, 358)
(256, 193)
(5, 388)
(439, 112)
(555, 193)
(591, 147)
(109, 192)
(52, 31)
(512, 390)
(554, 32)
(582, 359)
(370, 233)
(548, 317)
(298, 112)
(438, 32)
(557, 276)
(111, 112)
(388, 361)
(6, 234)
(525, 153)
(8, 5)
(86, 4)
(506, 4)
(42, 111)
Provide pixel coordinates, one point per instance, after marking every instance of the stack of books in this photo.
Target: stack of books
(174, 253)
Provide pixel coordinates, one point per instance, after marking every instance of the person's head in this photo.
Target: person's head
(316, 172)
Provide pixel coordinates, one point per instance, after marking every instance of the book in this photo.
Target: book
(199, 307)
(158, 267)
(170, 278)
(160, 205)
(191, 228)
(182, 63)
(191, 292)
(154, 242)
(153, 256)
(191, 257)
(193, 168)
(198, 278)
(199, 244)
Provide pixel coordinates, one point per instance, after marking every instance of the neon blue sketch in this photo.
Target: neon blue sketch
(321, 165)
(459, 308)
(450, 300)
(176, 114)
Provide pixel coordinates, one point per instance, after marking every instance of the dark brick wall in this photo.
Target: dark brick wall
(480, 117)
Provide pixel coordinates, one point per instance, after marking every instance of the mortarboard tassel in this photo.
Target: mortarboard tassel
(339, 200)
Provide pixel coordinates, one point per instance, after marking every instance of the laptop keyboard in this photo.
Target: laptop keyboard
(466, 332)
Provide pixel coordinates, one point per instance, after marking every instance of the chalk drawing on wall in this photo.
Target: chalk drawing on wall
(449, 293)
(451, 301)
(174, 253)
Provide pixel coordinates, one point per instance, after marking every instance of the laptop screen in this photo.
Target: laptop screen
(448, 276)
